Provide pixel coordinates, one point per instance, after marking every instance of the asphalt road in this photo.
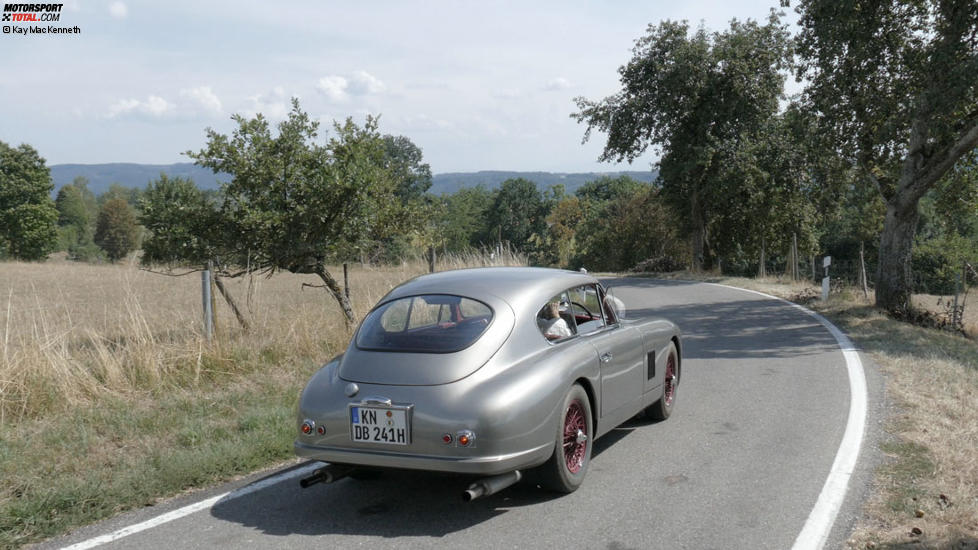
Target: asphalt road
(760, 413)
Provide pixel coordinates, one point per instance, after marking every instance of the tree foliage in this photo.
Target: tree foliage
(517, 212)
(894, 86)
(694, 97)
(292, 203)
(405, 161)
(183, 225)
(460, 218)
(630, 229)
(115, 230)
(28, 218)
(77, 212)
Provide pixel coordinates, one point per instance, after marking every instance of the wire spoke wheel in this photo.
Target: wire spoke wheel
(575, 437)
(662, 409)
(568, 464)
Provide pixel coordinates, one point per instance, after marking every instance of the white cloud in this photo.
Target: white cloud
(154, 106)
(204, 97)
(364, 83)
(339, 88)
(333, 87)
(118, 10)
(556, 84)
(274, 105)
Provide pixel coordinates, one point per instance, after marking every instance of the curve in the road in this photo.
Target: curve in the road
(819, 523)
(723, 344)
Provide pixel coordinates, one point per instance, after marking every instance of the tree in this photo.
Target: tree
(293, 204)
(894, 83)
(77, 212)
(118, 191)
(518, 211)
(28, 218)
(627, 229)
(72, 210)
(115, 230)
(693, 97)
(770, 191)
(183, 225)
(460, 218)
(404, 159)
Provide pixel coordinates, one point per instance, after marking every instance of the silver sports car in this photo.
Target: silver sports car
(493, 372)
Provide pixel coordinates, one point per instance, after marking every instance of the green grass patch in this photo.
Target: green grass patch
(58, 474)
(909, 463)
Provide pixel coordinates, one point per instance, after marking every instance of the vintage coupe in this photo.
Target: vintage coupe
(492, 372)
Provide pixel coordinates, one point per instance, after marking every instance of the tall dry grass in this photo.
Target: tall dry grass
(71, 333)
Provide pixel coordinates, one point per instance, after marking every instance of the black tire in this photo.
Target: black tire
(662, 409)
(565, 470)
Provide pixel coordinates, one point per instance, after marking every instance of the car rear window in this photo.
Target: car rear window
(430, 323)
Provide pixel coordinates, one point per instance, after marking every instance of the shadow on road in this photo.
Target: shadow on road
(727, 329)
(395, 504)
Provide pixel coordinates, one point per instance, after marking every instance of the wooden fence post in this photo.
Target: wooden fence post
(208, 303)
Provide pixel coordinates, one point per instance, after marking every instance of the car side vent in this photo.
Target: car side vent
(650, 361)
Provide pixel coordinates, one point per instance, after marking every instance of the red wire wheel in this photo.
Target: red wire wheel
(568, 464)
(576, 437)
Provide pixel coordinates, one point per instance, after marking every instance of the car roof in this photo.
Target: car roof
(519, 286)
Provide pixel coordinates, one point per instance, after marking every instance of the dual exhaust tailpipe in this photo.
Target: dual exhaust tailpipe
(491, 485)
(480, 488)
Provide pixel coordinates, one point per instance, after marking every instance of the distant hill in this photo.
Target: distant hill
(101, 176)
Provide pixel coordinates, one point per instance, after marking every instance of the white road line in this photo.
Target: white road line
(822, 517)
(191, 508)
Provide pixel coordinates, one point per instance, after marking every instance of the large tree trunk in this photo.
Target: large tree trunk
(337, 292)
(762, 268)
(698, 233)
(894, 283)
(862, 269)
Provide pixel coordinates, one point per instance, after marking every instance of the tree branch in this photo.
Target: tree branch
(148, 270)
(944, 161)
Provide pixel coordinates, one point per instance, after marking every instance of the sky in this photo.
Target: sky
(477, 85)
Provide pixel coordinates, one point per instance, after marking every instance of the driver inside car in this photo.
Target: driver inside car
(551, 324)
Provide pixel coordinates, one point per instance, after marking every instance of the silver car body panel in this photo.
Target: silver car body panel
(506, 388)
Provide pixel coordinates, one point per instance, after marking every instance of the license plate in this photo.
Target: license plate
(388, 425)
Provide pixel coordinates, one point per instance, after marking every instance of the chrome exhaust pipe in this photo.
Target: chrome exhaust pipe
(327, 474)
(491, 485)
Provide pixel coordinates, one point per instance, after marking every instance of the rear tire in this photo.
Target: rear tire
(568, 465)
(662, 409)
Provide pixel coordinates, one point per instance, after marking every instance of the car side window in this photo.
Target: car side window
(585, 305)
(555, 319)
(611, 306)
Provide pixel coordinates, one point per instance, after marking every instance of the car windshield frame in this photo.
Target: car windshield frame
(399, 326)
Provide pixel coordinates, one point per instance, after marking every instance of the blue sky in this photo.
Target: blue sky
(477, 85)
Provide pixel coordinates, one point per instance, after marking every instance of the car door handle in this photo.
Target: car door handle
(606, 358)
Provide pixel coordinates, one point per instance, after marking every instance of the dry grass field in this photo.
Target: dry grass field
(111, 398)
